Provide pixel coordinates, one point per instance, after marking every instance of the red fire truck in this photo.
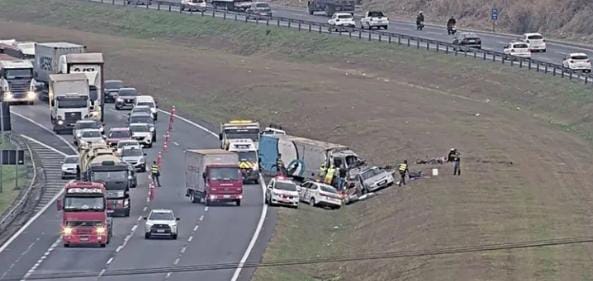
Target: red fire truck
(84, 220)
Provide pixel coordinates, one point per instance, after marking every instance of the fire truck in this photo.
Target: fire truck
(84, 214)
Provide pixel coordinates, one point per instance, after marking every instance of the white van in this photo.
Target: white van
(517, 49)
(148, 101)
(536, 42)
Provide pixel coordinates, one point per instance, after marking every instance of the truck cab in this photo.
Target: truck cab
(84, 216)
(16, 81)
(68, 100)
(91, 65)
(239, 129)
(248, 159)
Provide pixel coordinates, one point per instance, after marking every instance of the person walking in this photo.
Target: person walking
(403, 170)
(420, 21)
(457, 164)
(155, 173)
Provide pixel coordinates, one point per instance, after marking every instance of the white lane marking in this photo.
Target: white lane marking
(176, 261)
(191, 123)
(109, 260)
(183, 249)
(119, 248)
(140, 217)
(145, 208)
(255, 236)
(175, 143)
(46, 129)
(168, 275)
(201, 217)
(40, 260)
(205, 209)
(190, 238)
(102, 272)
(134, 227)
(196, 227)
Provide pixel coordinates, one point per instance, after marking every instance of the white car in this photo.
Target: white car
(281, 191)
(341, 22)
(577, 61)
(320, 194)
(161, 223)
(193, 5)
(536, 42)
(85, 124)
(148, 101)
(90, 136)
(142, 133)
(517, 49)
(125, 144)
(69, 166)
(374, 19)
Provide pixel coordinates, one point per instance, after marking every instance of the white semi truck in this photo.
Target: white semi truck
(16, 81)
(68, 100)
(47, 58)
(91, 65)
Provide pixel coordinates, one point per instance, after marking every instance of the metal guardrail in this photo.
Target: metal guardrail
(372, 35)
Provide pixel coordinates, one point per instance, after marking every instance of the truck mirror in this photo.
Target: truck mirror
(220, 136)
(59, 204)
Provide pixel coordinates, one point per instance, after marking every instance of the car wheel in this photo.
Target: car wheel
(238, 202)
(147, 235)
(192, 197)
(174, 236)
(312, 202)
(102, 245)
(66, 245)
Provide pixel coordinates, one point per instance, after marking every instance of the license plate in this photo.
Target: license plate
(84, 238)
(160, 230)
(226, 196)
(109, 211)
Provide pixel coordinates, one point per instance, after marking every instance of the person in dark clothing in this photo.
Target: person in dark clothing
(403, 170)
(451, 25)
(280, 169)
(457, 164)
(420, 21)
(452, 153)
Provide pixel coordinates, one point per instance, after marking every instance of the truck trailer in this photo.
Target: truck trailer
(330, 6)
(68, 100)
(47, 61)
(84, 214)
(232, 5)
(213, 175)
(91, 65)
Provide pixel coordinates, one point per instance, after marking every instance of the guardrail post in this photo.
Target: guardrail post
(389, 38)
(554, 71)
(370, 36)
(101, 1)
(546, 68)
(379, 36)
(245, 17)
(349, 33)
(427, 45)
(309, 27)
(235, 16)
(112, 2)
(224, 16)
(475, 54)
(256, 20)
(289, 22)
(408, 41)
(267, 21)
(278, 21)
(455, 49)
(570, 74)
(158, 5)
(146, 4)
(417, 43)
(447, 49)
(520, 63)
(169, 7)
(586, 79)
(562, 73)
(359, 34)
(299, 25)
(529, 64)
(502, 60)
(214, 13)
(320, 28)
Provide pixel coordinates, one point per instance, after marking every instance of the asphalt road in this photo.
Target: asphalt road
(208, 235)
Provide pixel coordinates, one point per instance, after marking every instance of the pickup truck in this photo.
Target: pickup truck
(374, 19)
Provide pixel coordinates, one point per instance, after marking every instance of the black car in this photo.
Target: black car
(467, 40)
(112, 90)
(126, 98)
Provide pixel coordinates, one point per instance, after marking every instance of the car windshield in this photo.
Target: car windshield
(520, 46)
(83, 203)
(344, 16)
(113, 84)
(288, 186)
(167, 216)
(328, 189)
(119, 134)
(91, 134)
(224, 174)
(535, 37)
(131, 152)
(376, 14)
(369, 173)
(109, 176)
(250, 156)
(146, 103)
(141, 119)
(18, 73)
(127, 92)
(72, 102)
(71, 160)
(579, 57)
(139, 128)
(262, 5)
(86, 125)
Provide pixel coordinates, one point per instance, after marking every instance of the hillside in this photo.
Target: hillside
(570, 19)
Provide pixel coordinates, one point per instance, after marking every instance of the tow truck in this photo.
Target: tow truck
(84, 214)
(247, 152)
(239, 129)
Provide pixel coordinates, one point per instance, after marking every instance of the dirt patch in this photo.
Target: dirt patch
(389, 111)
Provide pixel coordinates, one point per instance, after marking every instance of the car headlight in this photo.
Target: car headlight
(152, 129)
(31, 95)
(148, 224)
(67, 230)
(119, 99)
(100, 229)
(60, 122)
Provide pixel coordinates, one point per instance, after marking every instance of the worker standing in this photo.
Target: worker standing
(329, 176)
(403, 170)
(280, 166)
(457, 164)
(155, 173)
(322, 172)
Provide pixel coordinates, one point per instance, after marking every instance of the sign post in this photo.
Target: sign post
(494, 18)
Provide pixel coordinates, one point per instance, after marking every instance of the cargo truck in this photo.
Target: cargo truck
(330, 6)
(213, 175)
(91, 65)
(16, 81)
(98, 163)
(238, 129)
(232, 5)
(247, 152)
(303, 157)
(84, 215)
(68, 100)
(47, 61)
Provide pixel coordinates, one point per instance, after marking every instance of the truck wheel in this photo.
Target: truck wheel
(102, 245)
(174, 236)
(193, 198)
(127, 213)
(146, 235)
(238, 202)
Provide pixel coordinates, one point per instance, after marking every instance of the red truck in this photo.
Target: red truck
(213, 175)
(84, 219)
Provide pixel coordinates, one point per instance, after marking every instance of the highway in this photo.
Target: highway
(208, 235)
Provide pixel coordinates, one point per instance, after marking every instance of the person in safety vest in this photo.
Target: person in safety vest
(155, 173)
(403, 170)
(329, 175)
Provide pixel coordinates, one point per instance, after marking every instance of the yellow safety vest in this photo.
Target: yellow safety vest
(403, 167)
(154, 169)
(329, 176)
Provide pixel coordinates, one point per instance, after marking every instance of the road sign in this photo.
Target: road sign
(494, 14)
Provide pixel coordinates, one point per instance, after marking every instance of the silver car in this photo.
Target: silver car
(374, 178)
(88, 137)
(161, 223)
(69, 165)
(85, 124)
(135, 157)
(143, 118)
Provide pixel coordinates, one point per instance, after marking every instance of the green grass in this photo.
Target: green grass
(9, 189)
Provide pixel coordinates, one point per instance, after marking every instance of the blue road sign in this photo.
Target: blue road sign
(494, 14)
